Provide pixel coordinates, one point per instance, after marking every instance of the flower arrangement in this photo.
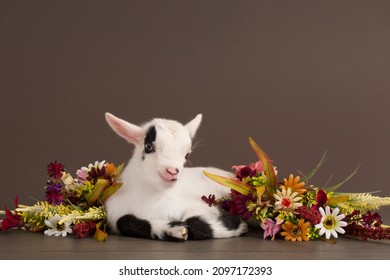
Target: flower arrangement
(292, 208)
(296, 210)
(71, 206)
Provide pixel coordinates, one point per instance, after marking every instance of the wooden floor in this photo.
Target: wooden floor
(25, 245)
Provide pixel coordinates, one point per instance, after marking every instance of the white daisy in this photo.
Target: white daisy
(331, 223)
(287, 200)
(57, 229)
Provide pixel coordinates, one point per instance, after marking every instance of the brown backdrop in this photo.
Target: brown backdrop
(300, 77)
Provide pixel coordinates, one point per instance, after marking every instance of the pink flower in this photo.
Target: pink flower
(270, 228)
(81, 176)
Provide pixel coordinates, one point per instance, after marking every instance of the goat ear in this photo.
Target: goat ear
(128, 131)
(193, 125)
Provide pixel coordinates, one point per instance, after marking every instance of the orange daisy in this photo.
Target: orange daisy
(294, 232)
(294, 184)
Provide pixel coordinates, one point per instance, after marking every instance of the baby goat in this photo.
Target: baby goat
(160, 198)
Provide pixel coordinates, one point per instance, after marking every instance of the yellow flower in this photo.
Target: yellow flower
(294, 232)
(294, 184)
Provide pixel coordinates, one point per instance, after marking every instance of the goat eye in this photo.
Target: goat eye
(187, 156)
(149, 148)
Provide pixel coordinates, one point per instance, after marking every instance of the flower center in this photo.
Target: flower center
(286, 202)
(60, 227)
(296, 232)
(329, 222)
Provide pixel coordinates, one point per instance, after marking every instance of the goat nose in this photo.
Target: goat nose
(172, 171)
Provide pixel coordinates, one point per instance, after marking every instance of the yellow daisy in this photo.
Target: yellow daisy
(294, 184)
(294, 232)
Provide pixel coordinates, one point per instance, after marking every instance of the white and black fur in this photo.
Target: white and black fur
(160, 198)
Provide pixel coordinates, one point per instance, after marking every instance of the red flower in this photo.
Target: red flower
(82, 230)
(55, 169)
(243, 171)
(238, 205)
(321, 199)
(11, 220)
(209, 200)
(312, 215)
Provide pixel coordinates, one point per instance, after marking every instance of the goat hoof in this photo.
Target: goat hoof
(178, 232)
(243, 228)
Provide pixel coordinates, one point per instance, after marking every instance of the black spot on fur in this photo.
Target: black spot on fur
(198, 229)
(129, 225)
(231, 222)
(150, 138)
(177, 223)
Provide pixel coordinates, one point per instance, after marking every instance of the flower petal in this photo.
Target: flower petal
(342, 224)
(340, 230)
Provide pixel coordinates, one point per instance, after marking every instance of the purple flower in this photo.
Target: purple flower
(270, 228)
(53, 193)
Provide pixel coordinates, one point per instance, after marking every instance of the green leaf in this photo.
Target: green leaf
(268, 167)
(314, 171)
(119, 170)
(230, 183)
(335, 187)
(109, 191)
(100, 185)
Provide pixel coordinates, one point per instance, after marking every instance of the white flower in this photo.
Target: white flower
(70, 183)
(331, 222)
(57, 229)
(95, 165)
(287, 200)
